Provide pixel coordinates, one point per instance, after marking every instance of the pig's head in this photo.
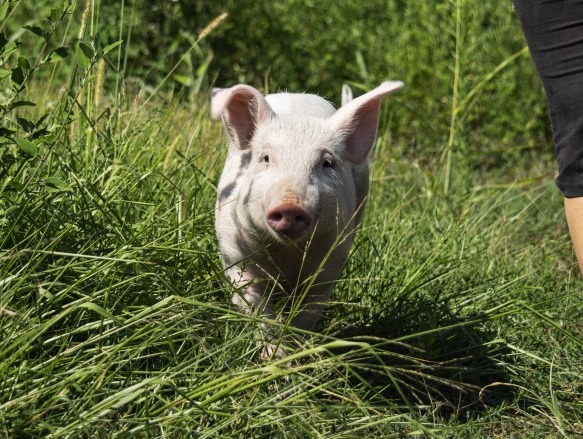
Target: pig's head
(299, 173)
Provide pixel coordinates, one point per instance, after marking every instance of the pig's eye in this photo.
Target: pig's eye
(328, 163)
(264, 159)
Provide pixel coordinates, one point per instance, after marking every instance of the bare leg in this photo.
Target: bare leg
(574, 212)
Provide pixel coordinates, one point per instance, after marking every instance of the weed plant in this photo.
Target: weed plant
(458, 314)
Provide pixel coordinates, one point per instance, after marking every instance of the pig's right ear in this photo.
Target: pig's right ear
(242, 108)
(358, 119)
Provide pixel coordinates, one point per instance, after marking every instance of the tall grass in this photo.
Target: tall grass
(459, 312)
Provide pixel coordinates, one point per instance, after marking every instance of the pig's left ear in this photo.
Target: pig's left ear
(242, 108)
(359, 119)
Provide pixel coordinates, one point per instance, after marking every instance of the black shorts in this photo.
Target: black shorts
(554, 32)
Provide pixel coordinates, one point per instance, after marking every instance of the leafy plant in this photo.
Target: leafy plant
(22, 137)
(458, 313)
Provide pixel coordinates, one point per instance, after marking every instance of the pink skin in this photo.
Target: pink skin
(288, 219)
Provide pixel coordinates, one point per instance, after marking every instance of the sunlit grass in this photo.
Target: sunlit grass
(459, 312)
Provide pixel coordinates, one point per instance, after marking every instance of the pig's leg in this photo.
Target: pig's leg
(311, 311)
(251, 298)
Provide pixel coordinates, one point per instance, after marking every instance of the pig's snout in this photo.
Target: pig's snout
(288, 219)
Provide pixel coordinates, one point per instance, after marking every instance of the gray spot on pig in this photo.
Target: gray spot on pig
(226, 192)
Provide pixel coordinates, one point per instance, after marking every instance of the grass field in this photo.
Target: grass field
(459, 313)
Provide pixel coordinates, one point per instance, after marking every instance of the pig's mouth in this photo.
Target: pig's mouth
(290, 237)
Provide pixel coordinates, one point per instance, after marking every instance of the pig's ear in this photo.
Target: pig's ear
(359, 119)
(242, 108)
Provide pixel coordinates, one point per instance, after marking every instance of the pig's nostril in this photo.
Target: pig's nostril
(288, 219)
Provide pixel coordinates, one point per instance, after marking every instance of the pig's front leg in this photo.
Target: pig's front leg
(251, 299)
(311, 312)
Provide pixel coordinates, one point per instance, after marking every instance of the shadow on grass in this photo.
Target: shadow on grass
(429, 359)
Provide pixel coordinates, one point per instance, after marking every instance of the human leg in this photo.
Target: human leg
(554, 32)
(574, 213)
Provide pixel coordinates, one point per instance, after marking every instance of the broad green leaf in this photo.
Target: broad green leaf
(4, 73)
(55, 14)
(43, 132)
(17, 104)
(4, 10)
(87, 49)
(37, 30)
(111, 46)
(16, 185)
(10, 47)
(24, 63)
(26, 124)
(27, 146)
(184, 80)
(18, 75)
(41, 120)
(55, 184)
(83, 60)
(58, 54)
(6, 132)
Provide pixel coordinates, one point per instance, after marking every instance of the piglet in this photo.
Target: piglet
(292, 193)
